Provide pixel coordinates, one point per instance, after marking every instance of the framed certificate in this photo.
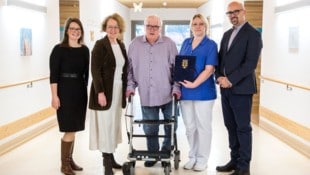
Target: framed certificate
(185, 68)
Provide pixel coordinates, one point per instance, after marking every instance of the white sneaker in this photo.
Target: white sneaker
(190, 164)
(200, 166)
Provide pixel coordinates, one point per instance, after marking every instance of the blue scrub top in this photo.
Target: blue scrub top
(206, 54)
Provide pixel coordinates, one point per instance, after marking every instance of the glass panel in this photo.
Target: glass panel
(177, 32)
(139, 29)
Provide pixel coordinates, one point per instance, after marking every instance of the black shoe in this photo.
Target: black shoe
(164, 164)
(241, 172)
(115, 165)
(226, 168)
(167, 148)
(149, 163)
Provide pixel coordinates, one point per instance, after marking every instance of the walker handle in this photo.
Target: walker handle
(129, 107)
(174, 97)
(130, 98)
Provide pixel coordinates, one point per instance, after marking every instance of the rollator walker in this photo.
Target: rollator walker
(144, 155)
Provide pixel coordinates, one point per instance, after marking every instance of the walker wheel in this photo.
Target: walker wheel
(176, 159)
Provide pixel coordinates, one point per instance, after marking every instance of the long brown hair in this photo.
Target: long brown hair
(65, 40)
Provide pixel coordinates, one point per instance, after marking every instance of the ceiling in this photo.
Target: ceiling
(160, 3)
(169, 3)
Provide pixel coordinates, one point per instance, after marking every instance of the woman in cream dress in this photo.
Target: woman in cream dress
(107, 94)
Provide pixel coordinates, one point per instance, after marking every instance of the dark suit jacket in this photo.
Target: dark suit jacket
(103, 66)
(239, 62)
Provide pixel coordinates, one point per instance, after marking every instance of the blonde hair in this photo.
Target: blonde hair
(205, 21)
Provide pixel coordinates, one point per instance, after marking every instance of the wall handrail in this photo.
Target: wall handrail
(22, 83)
(284, 83)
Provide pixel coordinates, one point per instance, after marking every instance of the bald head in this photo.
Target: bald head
(236, 13)
(237, 4)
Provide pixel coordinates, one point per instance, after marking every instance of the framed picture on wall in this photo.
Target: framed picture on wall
(25, 42)
(293, 38)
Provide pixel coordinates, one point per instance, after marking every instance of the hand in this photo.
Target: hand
(188, 84)
(55, 102)
(129, 92)
(224, 82)
(102, 100)
(176, 94)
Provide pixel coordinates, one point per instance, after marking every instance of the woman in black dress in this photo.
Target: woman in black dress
(69, 66)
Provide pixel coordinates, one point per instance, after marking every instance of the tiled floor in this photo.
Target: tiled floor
(41, 156)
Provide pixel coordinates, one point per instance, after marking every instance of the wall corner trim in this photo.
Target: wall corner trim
(291, 6)
(27, 5)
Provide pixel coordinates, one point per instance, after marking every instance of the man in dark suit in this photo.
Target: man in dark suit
(238, 56)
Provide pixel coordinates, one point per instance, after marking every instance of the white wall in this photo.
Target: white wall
(20, 101)
(282, 63)
(278, 31)
(44, 34)
(93, 12)
(215, 10)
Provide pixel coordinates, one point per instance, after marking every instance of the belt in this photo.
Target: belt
(69, 75)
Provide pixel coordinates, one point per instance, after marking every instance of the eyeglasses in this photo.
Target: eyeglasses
(235, 12)
(75, 29)
(149, 27)
(112, 27)
(198, 24)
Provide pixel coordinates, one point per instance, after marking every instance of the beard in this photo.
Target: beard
(234, 21)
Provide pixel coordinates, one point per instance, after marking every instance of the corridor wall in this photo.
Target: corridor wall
(24, 85)
(285, 81)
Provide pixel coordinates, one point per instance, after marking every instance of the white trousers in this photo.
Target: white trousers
(197, 118)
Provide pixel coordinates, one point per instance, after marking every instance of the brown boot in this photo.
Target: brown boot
(73, 165)
(107, 163)
(114, 163)
(65, 158)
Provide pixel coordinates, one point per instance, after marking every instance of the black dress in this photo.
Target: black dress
(69, 69)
